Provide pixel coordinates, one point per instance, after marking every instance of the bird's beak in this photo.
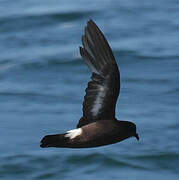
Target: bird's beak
(137, 136)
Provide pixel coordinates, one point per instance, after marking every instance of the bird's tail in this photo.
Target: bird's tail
(56, 140)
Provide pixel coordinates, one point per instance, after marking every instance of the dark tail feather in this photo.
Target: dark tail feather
(56, 140)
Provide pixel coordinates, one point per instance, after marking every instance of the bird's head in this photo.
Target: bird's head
(131, 129)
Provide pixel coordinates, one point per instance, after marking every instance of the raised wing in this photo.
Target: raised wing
(103, 90)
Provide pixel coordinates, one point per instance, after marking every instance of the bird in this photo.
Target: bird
(98, 126)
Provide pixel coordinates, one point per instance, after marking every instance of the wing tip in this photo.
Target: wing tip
(90, 21)
(96, 48)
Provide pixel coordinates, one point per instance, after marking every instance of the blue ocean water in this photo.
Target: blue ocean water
(43, 81)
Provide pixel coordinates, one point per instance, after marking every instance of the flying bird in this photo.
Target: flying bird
(98, 126)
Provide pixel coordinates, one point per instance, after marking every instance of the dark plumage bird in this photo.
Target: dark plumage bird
(98, 126)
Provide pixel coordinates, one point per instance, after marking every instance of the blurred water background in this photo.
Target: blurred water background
(43, 81)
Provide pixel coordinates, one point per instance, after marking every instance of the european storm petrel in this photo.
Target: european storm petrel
(98, 126)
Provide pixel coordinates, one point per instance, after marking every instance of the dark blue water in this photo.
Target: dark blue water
(43, 81)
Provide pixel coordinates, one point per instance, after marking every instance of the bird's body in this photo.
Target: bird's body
(95, 134)
(98, 126)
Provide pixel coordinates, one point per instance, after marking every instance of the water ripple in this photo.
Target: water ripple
(39, 20)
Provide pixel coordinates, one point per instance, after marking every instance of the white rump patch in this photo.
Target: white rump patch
(99, 100)
(73, 133)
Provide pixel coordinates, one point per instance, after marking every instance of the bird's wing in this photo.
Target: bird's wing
(103, 90)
